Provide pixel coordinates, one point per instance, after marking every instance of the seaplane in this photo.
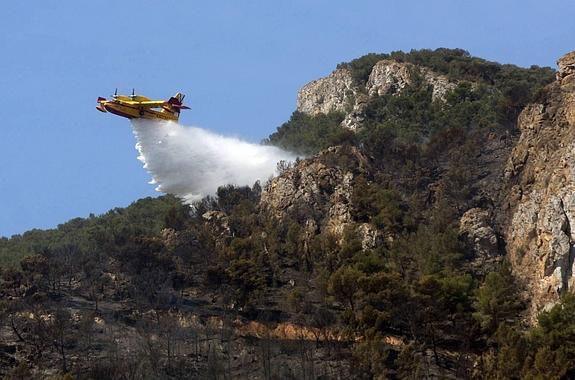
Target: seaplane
(140, 107)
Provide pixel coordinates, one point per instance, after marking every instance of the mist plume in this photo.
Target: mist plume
(192, 162)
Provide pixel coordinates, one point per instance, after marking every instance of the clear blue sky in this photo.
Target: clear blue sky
(240, 62)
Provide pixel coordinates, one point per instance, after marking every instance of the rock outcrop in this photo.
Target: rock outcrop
(219, 226)
(566, 65)
(334, 93)
(339, 92)
(475, 226)
(322, 190)
(540, 177)
(390, 77)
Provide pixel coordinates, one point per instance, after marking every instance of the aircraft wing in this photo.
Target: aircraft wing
(151, 103)
(142, 103)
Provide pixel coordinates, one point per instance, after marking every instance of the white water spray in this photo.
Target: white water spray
(191, 162)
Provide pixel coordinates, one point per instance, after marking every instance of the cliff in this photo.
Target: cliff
(540, 178)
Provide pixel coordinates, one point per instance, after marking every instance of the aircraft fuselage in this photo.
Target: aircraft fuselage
(135, 112)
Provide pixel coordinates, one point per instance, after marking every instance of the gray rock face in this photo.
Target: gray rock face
(218, 223)
(370, 236)
(339, 93)
(566, 65)
(475, 227)
(355, 117)
(441, 85)
(540, 175)
(390, 77)
(322, 190)
(334, 93)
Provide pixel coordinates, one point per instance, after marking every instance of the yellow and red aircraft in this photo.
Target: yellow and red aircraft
(137, 106)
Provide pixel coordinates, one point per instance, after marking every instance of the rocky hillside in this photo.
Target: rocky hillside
(340, 92)
(425, 235)
(540, 179)
(525, 181)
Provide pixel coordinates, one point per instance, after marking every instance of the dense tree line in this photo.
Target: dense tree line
(141, 218)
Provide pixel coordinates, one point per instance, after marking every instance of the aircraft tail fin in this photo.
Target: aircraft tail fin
(176, 101)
